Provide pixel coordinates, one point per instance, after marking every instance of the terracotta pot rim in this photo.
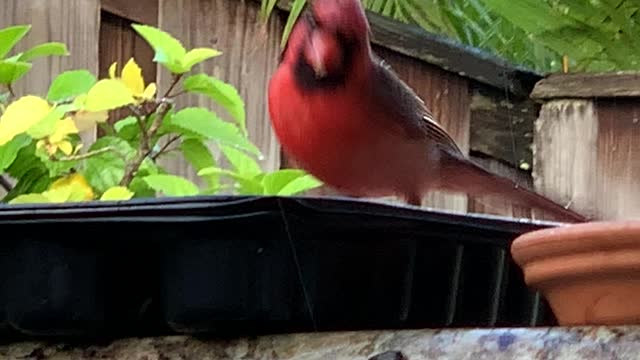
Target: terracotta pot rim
(597, 236)
(581, 267)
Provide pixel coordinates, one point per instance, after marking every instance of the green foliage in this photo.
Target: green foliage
(224, 94)
(170, 52)
(594, 35)
(15, 67)
(70, 84)
(42, 150)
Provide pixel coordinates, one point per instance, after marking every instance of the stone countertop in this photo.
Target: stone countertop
(476, 344)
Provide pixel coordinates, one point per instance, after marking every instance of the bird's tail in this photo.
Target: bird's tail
(468, 177)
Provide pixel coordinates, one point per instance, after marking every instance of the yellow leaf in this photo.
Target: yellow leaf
(112, 70)
(65, 147)
(86, 120)
(132, 77)
(108, 94)
(21, 115)
(79, 187)
(150, 91)
(117, 193)
(64, 128)
(59, 195)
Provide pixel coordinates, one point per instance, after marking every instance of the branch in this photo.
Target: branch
(11, 92)
(6, 185)
(87, 155)
(164, 148)
(161, 109)
(176, 80)
(141, 125)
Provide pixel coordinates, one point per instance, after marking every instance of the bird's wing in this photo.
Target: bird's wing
(408, 110)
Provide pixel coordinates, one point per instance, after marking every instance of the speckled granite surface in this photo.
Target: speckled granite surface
(540, 343)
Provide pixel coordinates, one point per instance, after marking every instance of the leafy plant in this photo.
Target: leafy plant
(595, 35)
(41, 150)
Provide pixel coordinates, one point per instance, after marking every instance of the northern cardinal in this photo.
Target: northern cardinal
(343, 115)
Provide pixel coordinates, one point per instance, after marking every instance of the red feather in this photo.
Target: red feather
(343, 115)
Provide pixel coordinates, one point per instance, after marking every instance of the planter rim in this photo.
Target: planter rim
(325, 204)
(572, 239)
(341, 212)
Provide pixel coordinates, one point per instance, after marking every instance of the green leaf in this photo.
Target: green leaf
(296, 9)
(122, 124)
(12, 71)
(106, 170)
(171, 185)
(108, 94)
(30, 199)
(26, 160)
(59, 168)
(243, 164)
(70, 84)
(200, 157)
(117, 193)
(34, 180)
(10, 36)
(300, 185)
(245, 185)
(9, 151)
(197, 153)
(46, 49)
(169, 51)
(128, 129)
(196, 56)
(266, 8)
(140, 188)
(138, 185)
(276, 181)
(221, 92)
(205, 123)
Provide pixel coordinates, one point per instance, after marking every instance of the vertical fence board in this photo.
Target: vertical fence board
(565, 154)
(618, 154)
(250, 55)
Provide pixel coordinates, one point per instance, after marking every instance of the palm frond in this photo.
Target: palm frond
(596, 35)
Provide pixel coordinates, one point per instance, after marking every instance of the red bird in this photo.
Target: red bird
(343, 115)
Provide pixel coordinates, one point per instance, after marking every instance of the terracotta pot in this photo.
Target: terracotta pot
(589, 273)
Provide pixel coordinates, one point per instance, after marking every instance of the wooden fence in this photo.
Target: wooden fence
(588, 142)
(481, 100)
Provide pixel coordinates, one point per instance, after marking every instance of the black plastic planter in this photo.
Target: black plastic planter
(246, 265)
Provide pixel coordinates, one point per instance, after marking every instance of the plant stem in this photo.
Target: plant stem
(176, 80)
(87, 155)
(164, 148)
(141, 125)
(6, 185)
(11, 92)
(161, 109)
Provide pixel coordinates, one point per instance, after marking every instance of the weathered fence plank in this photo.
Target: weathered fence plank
(250, 55)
